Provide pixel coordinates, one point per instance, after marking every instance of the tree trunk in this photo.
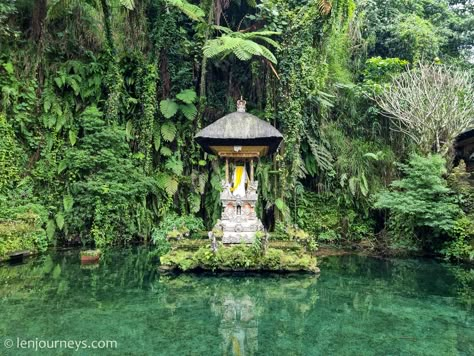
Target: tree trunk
(38, 19)
(107, 25)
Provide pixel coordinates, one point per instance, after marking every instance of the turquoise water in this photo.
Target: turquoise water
(358, 306)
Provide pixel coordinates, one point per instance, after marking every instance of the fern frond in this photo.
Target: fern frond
(175, 165)
(251, 35)
(168, 131)
(242, 45)
(167, 183)
(268, 40)
(322, 156)
(192, 11)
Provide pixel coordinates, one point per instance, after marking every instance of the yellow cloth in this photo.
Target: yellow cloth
(239, 171)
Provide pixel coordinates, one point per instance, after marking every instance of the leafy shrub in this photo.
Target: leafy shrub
(462, 245)
(108, 189)
(21, 228)
(382, 70)
(420, 204)
(175, 227)
(324, 217)
(459, 182)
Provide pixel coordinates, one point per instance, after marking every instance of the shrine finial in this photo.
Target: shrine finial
(241, 105)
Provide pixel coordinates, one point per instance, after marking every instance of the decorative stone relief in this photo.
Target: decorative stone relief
(239, 221)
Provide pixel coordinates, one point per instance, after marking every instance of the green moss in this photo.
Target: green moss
(24, 232)
(90, 253)
(189, 244)
(238, 258)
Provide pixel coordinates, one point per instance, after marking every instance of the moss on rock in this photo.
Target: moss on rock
(239, 258)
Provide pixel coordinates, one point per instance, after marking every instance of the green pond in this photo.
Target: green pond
(357, 306)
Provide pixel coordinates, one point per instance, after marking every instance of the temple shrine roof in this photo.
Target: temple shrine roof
(239, 128)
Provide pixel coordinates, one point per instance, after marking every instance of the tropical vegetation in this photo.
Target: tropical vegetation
(100, 101)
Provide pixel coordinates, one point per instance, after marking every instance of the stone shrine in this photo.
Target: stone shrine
(240, 139)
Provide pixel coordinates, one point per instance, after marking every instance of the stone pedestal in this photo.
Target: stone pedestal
(239, 222)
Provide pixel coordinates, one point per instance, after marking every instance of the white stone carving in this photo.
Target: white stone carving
(239, 221)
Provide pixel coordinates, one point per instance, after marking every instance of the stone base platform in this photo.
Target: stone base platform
(239, 257)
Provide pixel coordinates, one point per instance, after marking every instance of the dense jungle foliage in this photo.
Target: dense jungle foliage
(100, 101)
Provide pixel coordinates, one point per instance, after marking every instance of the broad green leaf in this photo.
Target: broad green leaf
(189, 111)
(187, 96)
(50, 229)
(194, 201)
(62, 166)
(128, 4)
(172, 187)
(168, 108)
(352, 185)
(61, 120)
(156, 138)
(49, 121)
(46, 104)
(68, 202)
(57, 271)
(60, 221)
(129, 129)
(75, 86)
(59, 82)
(364, 186)
(167, 183)
(72, 137)
(280, 204)
(8, 67)
(192, 11)
(372, 155)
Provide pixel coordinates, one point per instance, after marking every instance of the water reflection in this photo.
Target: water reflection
(357, 306)
(239, 324)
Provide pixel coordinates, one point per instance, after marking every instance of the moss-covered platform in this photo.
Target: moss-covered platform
(191, 255)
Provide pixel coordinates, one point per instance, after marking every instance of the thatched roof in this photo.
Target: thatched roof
(239, 129)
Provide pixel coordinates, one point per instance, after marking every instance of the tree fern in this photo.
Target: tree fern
(242, 45)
